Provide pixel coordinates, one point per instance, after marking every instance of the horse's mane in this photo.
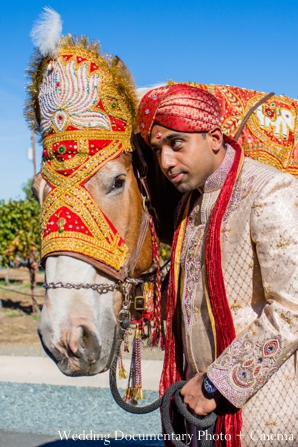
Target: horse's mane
(164, 196)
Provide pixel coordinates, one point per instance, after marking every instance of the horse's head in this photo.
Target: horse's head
(78, 326)
(92, 212)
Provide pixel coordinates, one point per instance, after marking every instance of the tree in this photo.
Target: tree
(19, 235)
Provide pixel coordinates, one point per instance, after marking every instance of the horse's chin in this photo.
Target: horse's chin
(78, 367)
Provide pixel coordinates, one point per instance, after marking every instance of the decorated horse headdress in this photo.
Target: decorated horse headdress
(84, 107)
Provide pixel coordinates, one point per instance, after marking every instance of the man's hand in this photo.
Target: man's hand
(194, 396)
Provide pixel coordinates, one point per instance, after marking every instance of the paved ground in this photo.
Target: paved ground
(9, 439)
(22, 369)
(42, 370)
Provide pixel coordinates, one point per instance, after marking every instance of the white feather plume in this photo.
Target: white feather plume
(47, 31)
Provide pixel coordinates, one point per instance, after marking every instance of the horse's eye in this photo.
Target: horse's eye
(118, 183)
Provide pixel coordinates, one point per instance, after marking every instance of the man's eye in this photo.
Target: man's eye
(118, 183)
(176, 144)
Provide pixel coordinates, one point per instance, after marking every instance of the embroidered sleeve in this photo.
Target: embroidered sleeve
(258, 351)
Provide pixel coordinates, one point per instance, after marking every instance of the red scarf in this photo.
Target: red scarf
(229, 421)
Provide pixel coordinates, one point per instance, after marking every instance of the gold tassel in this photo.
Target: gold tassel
(122, 373)
(128, 394)
(121, 366)
(138, 393)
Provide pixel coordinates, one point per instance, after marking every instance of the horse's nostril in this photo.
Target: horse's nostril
(90, 347)
(49, 349)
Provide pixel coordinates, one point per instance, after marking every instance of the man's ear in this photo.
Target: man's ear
(216, 138)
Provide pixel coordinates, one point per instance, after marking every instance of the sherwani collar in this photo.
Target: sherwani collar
(216, 180)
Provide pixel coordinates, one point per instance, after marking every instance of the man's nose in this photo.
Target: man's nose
(167, 160)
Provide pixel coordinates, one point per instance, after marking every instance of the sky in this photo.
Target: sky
(251, 44)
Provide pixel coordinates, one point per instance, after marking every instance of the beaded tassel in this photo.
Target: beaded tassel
(157, 333)
(126, 341)
(138, 391)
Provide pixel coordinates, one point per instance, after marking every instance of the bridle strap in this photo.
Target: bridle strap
(142, 170)
(118, 275)
(140, 241)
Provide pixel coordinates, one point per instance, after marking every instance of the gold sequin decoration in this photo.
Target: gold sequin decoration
(68, 192)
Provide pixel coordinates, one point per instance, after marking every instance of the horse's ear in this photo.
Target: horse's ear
(40, 188)
(123, 69)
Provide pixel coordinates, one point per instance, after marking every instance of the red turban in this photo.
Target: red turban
(179, 107)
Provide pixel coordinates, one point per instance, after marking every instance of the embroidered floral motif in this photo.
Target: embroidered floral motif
(286, 317)
(244, 367)
(258, 207)
(235, 307)
(283, 243)
(267, 423)
(226, 232)
(267, 287)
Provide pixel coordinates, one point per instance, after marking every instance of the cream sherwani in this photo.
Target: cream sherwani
(257, 372)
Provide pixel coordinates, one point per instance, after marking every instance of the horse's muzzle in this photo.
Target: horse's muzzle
(81, 358)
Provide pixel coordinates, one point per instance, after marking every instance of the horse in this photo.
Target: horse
(97, 235)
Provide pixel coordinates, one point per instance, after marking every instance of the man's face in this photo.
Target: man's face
(186, 159)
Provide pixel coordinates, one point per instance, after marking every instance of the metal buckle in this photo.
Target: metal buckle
(139, 303)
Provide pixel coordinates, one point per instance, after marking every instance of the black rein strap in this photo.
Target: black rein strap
(206, 423)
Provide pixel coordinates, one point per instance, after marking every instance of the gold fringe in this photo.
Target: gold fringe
(34, 73)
